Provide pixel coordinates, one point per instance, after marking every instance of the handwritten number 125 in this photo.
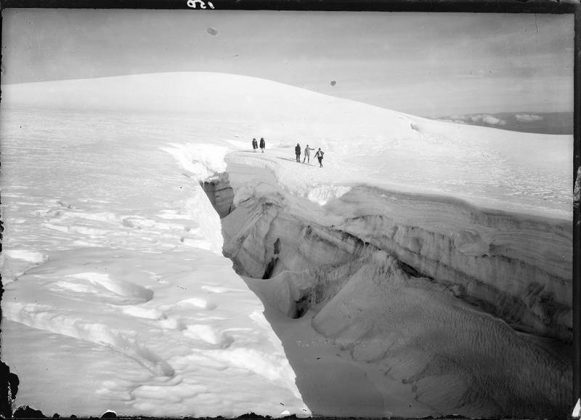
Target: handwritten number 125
(195, 3)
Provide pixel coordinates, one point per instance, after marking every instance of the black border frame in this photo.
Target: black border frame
(471, 6)
(439, 6)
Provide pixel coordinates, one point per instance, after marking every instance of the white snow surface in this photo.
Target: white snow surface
(116, 288)
(363, 143)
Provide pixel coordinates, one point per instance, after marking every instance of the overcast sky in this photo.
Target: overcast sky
(422, 63)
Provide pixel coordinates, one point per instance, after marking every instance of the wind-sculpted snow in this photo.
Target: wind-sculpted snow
(191, 341)
(117, 295)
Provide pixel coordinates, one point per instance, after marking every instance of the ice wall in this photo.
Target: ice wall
(516, 267)
(219, 193)
(432, 290)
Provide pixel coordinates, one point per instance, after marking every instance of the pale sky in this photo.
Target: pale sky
(428, 64)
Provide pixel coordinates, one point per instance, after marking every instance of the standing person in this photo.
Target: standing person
(319, 155)
(298, 152)
(254, 144)
(308, 154)
(262, 144)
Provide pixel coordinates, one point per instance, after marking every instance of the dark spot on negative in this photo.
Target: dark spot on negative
(333, 83)
(212, 31)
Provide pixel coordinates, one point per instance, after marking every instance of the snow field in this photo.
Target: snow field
(206, 335)
(368, 144)
(118, 269)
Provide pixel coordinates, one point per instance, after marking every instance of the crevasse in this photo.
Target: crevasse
(435, 291)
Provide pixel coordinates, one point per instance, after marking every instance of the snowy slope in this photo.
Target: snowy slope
(366, 142)
(112, 250)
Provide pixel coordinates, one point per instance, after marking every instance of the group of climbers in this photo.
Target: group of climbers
(307, 154)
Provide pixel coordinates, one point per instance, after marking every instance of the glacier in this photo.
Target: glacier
(170, 270)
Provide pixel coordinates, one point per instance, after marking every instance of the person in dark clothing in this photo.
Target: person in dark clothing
(319, 155)
(262, 144)
(254, 144)
(298, 152)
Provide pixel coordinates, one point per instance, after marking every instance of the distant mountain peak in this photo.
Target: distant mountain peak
(524, 121)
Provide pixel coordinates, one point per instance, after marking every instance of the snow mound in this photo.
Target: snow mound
(201, 160)
(322, 194)
(25, 255)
